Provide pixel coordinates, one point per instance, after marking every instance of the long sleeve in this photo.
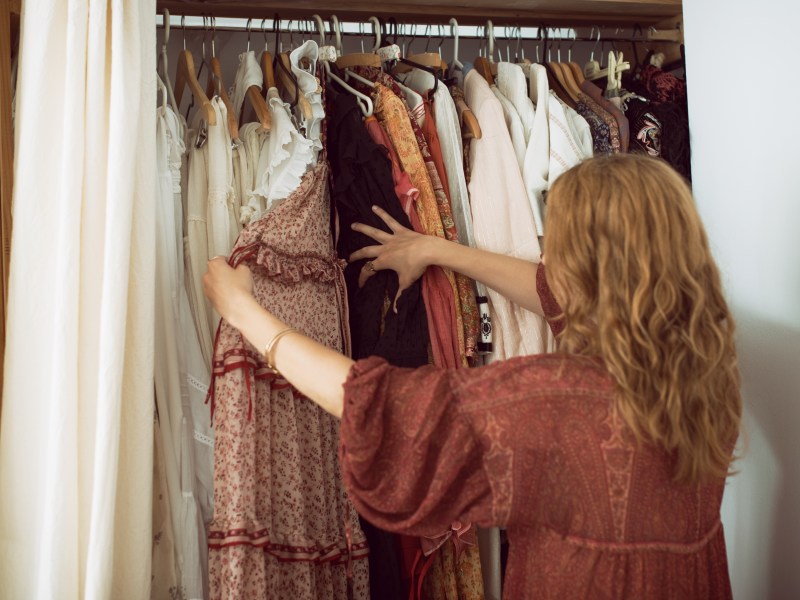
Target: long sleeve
(537, 156)
(409, 458)
(550, 306)
(514, 125)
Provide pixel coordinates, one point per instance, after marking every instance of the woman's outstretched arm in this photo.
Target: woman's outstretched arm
(410, 253)
(314, 369)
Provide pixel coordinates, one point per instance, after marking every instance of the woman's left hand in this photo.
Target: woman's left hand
(227, 288)
(403, 251)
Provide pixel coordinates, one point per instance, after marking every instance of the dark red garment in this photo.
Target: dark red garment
(532, 444)
(434, 145)
(436, 290)
(663, 86)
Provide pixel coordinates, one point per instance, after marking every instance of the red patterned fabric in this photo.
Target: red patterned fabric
(283, 527)
(664, 86)
(532, 444)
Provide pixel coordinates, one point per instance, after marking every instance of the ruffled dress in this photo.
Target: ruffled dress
(283, 526)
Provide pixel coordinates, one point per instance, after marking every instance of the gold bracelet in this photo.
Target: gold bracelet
(271, 345)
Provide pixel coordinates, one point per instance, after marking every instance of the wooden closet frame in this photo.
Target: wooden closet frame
(469, 12)
(9, 30)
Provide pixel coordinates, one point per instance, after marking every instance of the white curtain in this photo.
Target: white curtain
(76, 435)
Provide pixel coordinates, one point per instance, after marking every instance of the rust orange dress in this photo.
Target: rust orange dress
(532, 444)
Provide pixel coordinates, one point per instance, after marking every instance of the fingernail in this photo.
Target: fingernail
(352, 225)
(374, 207)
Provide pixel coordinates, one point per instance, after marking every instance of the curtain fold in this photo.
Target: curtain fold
(76, 433)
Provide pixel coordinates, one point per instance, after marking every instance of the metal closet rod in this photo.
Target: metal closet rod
(434, 31)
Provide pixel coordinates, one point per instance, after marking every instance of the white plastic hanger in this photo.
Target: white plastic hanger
(364, 101)
(164, 91)
(335, 27)
(454, 32)
(490, 38)
(164, 75)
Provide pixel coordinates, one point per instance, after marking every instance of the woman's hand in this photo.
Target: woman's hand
(228, 289)
(404, 251)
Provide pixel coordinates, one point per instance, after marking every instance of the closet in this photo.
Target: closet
(579, 29)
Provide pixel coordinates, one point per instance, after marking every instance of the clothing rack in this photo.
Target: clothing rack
(561, 34)
(666, 37)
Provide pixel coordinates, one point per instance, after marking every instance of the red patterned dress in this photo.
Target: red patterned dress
(283, 526)
(532, 444)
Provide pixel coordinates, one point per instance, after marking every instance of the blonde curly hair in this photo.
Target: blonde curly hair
(629, 261)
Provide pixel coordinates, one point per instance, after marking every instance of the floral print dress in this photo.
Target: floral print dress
(283, 526)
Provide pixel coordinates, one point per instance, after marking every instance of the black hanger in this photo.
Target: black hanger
(435, 72)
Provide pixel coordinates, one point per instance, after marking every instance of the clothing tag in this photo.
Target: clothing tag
(485, 343)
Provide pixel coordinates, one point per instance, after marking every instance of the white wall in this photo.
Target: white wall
(745, 131)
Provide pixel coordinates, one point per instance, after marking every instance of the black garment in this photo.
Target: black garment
(362, 177)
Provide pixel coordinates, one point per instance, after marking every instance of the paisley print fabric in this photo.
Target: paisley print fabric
(533, 444)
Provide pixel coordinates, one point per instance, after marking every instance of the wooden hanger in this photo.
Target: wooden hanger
(577, 72)
(558, 87)
(564, 73)
(253, 93)
(266, 71)
(573, 76)
(260, 107)
(483, 67)
(359, 59)
(469, 123)
(427, 59)
(288, 82)
(186, 77)
(555, 69)
(362, 59)
(482, 63)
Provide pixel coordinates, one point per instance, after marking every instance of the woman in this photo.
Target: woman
(605, 461)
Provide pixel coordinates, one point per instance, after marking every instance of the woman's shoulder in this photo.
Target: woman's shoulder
(536, 377)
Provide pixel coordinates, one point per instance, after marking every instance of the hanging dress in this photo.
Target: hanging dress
(283, 526)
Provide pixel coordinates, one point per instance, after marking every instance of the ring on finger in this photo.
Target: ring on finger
(370, 266)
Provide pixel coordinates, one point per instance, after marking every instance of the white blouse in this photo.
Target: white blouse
(502, 219)
(304, 65)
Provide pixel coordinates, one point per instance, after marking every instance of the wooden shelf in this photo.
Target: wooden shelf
(530, 12)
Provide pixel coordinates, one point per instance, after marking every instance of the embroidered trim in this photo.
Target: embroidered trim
(203, 438)
(618, 457)
(335, 553)
(197, 384)
(623, 547)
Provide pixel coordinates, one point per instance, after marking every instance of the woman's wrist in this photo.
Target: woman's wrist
(244, 308)
(432, 251)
